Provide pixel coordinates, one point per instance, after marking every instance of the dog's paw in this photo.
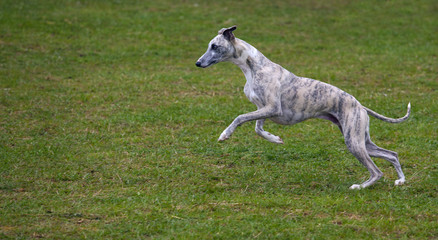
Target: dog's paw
(271, 137)
(224, 136)
(399, 182)
(277, 140)
(355, 186)
(221, 139)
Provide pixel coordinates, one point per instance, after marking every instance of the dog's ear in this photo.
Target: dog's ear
(228, 33)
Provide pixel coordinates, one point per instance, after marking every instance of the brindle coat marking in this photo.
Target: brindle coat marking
(288, 99)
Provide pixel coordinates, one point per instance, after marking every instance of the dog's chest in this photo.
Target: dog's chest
(254, 94)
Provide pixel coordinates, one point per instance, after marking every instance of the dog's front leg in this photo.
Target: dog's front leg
(263, 113)
(266, 135)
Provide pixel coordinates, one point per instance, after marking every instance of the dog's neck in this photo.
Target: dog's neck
(248, 58)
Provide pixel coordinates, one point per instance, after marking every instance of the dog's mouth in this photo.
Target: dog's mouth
(199, 64)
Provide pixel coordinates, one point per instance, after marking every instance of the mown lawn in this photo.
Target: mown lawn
(108, 130)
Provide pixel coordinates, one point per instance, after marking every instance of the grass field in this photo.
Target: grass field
(108, 130)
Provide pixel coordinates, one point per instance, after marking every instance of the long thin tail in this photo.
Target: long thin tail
(387, 119)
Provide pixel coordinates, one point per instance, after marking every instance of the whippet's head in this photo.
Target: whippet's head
(220, 49)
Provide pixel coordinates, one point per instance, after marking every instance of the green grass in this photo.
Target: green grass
(108, 130)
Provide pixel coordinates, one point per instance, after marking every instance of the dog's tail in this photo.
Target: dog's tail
(387, 119)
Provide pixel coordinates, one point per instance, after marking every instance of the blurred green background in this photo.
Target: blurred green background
(108, 130)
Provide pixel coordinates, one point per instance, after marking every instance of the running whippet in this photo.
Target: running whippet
(288, 99)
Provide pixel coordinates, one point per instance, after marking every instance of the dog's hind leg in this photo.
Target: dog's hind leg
(354, 133)
(361, 154)
(390, 156)
(266, 135)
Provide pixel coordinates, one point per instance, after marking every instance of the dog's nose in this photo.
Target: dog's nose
(198, 64)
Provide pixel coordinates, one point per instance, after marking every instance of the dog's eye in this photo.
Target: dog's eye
(214, 46)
